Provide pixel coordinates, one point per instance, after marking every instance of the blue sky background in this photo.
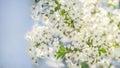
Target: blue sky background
(15, 21)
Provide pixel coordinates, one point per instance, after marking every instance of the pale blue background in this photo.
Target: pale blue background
(15, 21)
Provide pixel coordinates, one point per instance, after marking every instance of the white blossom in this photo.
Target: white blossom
(76, 31)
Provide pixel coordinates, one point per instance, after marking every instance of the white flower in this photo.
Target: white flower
(85, 29)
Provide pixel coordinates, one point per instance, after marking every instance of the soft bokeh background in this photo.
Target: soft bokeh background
(15, 21)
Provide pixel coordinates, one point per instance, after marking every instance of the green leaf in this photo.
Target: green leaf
(78, 30)
(89, 42)
(108, 14)
(62, 12)
(69, 21)
(37, 44)
(115, 45)
(110, 65)
(52, 11)
(112, 5)
(57, 8)
(57, 2)
(118, 25)
(93, 12)
(103, 34)
(101, 50)
(36, 1)
(61, 52)
(99, 53)
(111, 21)
(84, 65)
(76, 49)
(58, 5)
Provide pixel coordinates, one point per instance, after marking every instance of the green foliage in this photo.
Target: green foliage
(115, 45)
(56, 8)
(101, 50)
(61, 52)
(110, 65)
(77, 49)
(114, 6)
(37, 44)
(103, 34)
(89, 42)
(93, 12)
(58, 5)
(108, 14)
(36, 1)
(52, 11)
(63, 12)
(84, 65)
(69, 21)
(118, 25)
(57, 2)
(111, 21)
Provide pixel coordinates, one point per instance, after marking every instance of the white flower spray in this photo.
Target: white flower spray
(83, 33)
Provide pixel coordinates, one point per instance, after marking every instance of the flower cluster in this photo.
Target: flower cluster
(84, 33)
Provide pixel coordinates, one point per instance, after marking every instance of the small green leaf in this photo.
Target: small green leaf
(93, 12)
(114, 6)
(62, 12)
(76, 49)
(69, 21)
(118, 25)
(58, 5)
(89, 42)
(37, 44)
(78, 30)
(57, 2)
(101, 50)
(110, 65)
(57, 8)
(61, 52)
(36, 1)
(99, 53)
(108, 14)
(81, 19)
(84, 65)
(111, 21)
(52, 11)
(103, 34)
(115, 45)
